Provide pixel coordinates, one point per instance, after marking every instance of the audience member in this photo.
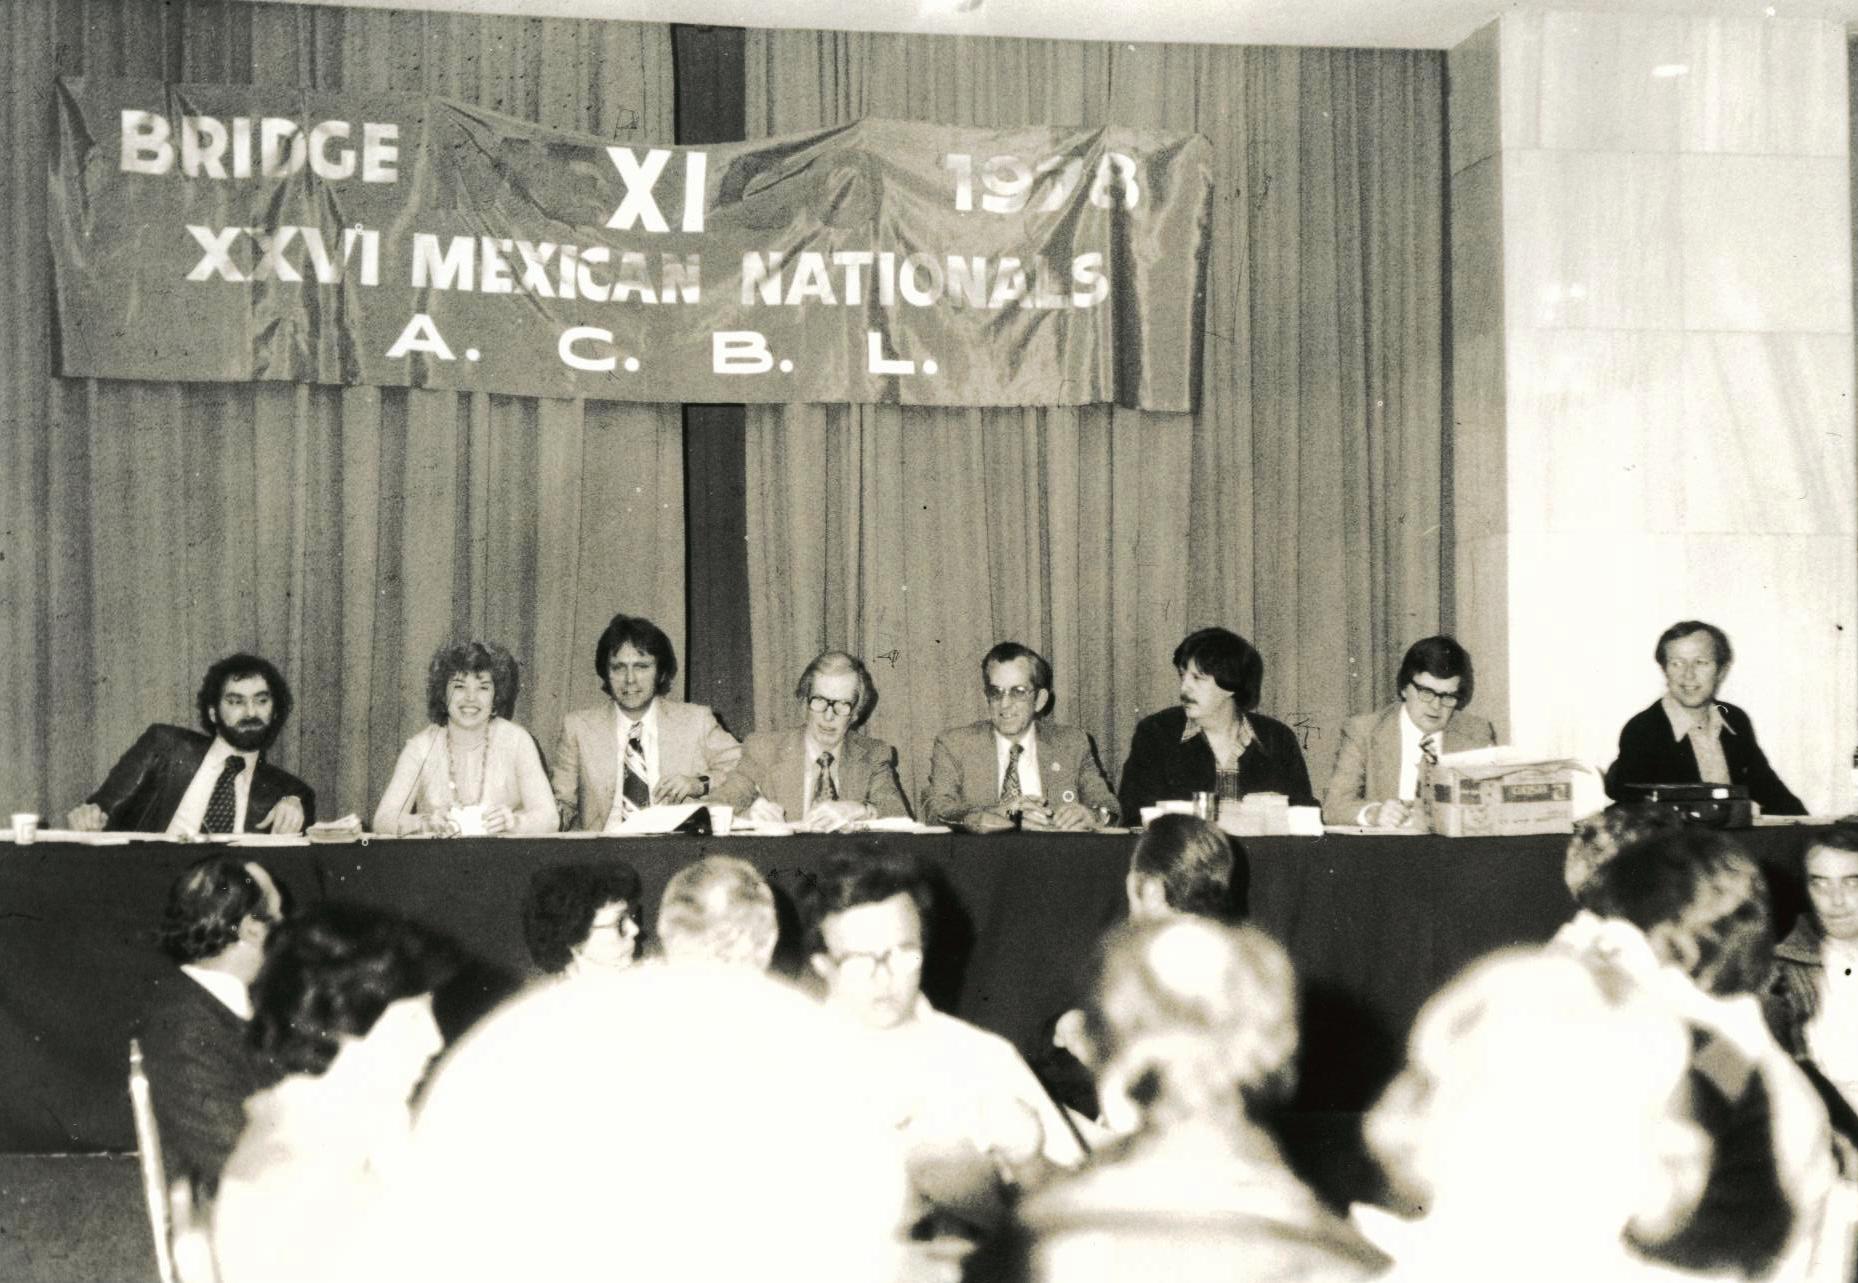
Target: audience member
(472, 770)
(1604, 834)
(200, 1065)
(1013, 768)
(344, 1005)
(1688, 736)
(822, 776)
(1813, 999)
(177, 781)
(1193, 1027)
(1183, 864)
(583, 917)
(718, 910)
(1375, 782)
(1215, 740)
(641, 749)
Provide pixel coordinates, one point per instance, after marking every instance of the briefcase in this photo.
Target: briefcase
(1710, 806)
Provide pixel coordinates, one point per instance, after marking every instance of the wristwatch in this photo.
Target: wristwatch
(705, 781)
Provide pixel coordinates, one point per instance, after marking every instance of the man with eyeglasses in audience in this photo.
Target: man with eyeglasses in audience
(1688, 736)
(1375, 783)
(821, 776)
(1013, 769)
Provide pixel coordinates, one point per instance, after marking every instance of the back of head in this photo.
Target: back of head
(562, 901)
(1189, 1017)
(719, 909)
(205, 906)
(1701, 902)
(720, 1112)
(1194, 862)
(328, 975)
(1601, 836)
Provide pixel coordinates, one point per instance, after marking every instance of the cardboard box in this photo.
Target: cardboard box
(1499, 798)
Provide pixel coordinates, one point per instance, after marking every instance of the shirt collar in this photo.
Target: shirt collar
(229, 989)
(1005, 745)
(1683, 719)
(648, 719)
(218, 751)
(1247, 736)
(813, 750)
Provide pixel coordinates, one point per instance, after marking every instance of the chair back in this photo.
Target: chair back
(154, 1170)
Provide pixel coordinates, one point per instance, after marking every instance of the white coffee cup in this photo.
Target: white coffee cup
(470, 820)
(25, 827)
(721, 818)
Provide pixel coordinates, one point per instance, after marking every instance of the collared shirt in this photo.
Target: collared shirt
(1705, 731)
(1411, 754)
(813, 751)
(1029, 785)
(1246, 736)
(191, 813)
(230, 990)
(1832, 1034)
(648, 741)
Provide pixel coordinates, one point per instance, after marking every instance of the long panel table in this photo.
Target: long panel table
(1374, 925)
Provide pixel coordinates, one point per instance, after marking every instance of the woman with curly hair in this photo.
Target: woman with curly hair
(473, 770)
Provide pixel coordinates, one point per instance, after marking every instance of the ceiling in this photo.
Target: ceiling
(1407, 24)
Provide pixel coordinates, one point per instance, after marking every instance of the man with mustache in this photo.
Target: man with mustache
(178, 781)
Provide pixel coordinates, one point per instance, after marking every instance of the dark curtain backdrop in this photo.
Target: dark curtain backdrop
(1300, 505)
(149, 528)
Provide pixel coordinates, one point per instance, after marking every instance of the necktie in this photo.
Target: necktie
(1009, 782)
(223, 804)
(824, 790)
(1428, 757)
(635, 794)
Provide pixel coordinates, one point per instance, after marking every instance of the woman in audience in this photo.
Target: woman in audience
(344, 1004)
(1192, 1029)
(583, 917)
(472, 770)
(1214, 740)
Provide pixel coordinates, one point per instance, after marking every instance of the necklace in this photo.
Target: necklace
(452, 755)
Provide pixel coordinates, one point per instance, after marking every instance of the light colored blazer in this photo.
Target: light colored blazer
(513, 777)
(774, 765)
(964, 771)
(1367, 765)
(586, 767)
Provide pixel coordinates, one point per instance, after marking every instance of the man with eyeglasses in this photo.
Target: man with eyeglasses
(1014, 770)
(822, 776)
(1688, 736)
(971, 1115)
(1375, 783)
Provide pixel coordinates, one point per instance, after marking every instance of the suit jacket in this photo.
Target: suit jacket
(145, 787)
(1650, 754)
(1367, 765)
(1162, 765)
(200, 1071)
(964, 770)
(774, 765)
(585, 770)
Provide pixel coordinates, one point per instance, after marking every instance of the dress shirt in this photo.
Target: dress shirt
(1832, 1033)
(648, 741)
(230, 990)
(1411, 755)
(812, 771)
(1029, 785)
(191, 813)
(1245, 738)
(1705, 730)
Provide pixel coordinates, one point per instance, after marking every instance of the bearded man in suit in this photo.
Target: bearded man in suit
(822, 775)
(1375, 782)
(178, 781)
(639, 749)
(1013, 770)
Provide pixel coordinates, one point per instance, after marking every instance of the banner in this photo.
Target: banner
(236, 233)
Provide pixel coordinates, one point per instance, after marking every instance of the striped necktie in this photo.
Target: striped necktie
(634, 793)
(1009, 782)
(824, 790)
(1428, 758)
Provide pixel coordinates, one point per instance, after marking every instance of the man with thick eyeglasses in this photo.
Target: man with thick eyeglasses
(1688, 736)
(1013, 769)
(822, 776)
(1375, 783)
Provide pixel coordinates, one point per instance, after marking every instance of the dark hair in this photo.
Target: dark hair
(206, 906)
(869, 875)
(1008, 651)
(1195, 862)
(233, 667)
(1702, 902)
(1840, 837)
(644, 635)
(330, 972)
(561, 903)
(1684, 628)
(1228, 659)
(840, 661)
(1603, 835)
(1443, 657)
(468, 657)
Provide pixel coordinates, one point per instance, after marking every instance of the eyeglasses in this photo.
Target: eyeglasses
(1437, 698)
(1689, 666)
(1016, 694)
(820, 704)
(899, 959)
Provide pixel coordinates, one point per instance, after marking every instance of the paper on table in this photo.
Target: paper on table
(97, 839)
(655, 819)
(270, 839)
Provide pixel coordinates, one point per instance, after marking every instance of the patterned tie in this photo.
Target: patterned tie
(1428, 757)
(1009, 782)
(635, 794)
(223, 805)
(824, 790)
